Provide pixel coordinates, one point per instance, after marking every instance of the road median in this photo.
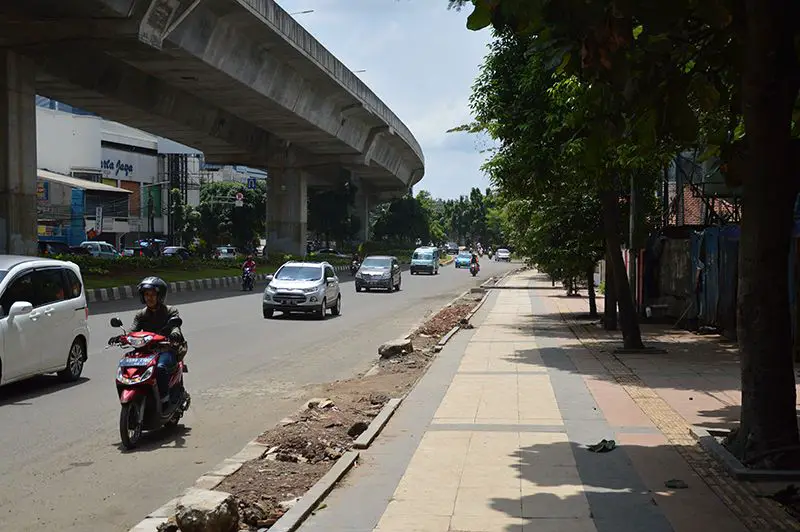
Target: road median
(309, 451)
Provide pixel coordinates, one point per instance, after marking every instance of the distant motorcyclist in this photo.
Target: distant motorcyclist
(249, 263)
(154, 318)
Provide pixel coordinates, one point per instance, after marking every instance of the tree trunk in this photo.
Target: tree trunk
(610, 298)
(592, 297)
(629, 322)
(770, 85)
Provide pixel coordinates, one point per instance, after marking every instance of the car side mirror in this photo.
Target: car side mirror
(116, 322)
(269, 278)
(174, 322)
(330, 280)
(20, 308)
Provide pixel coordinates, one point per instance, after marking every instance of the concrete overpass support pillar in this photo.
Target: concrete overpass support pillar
(288, 211)
(362, 205)
(18, 220)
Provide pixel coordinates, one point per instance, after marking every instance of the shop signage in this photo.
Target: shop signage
(118, 167)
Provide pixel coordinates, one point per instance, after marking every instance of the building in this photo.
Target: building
(107, 180)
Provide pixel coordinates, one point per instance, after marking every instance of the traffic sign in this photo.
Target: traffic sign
(251, 183)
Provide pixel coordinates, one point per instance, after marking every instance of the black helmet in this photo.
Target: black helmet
(153, 283)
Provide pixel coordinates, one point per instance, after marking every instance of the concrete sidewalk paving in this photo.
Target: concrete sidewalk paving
(495, 436)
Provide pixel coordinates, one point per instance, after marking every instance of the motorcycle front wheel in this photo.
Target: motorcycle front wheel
(130, 426)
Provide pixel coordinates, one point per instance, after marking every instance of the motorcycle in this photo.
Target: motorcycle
(247, 279)
(490, 254)
(137, 387)
(474, 268)
(354, 266)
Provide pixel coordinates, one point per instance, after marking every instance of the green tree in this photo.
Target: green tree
(221, 222)
(329, 213)
(651, 67)
(404, 221)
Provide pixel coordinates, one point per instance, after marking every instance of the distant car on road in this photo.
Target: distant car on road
(463, 259)
(425, 259)
(379, 271)
(452, 248)
(44, 318)
(103, 250)
(177, 251)
(309, 287)
(502, 255)
(226, 252)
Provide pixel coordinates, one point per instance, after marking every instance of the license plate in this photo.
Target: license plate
(135, 362)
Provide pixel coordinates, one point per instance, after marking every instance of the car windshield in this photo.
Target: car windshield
(426, 255)
(372, 262)
(299, 273)
(502, 251)
(465, 254)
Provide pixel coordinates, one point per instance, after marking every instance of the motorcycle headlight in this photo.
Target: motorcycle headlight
(139, 341)
(147, 373)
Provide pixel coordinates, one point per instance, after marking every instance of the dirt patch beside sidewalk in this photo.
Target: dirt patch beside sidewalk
(304, 447)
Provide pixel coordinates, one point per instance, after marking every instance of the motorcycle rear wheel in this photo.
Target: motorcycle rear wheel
(130, 429)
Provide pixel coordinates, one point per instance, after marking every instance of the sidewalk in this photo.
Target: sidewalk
(494, 437)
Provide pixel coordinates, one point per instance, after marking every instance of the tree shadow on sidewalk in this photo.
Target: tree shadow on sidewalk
(620, 491)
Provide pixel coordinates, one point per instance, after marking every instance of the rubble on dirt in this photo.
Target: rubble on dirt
(207, 511)
(304, 446)
(396, 348)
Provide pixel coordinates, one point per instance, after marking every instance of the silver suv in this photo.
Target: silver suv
(309, 287)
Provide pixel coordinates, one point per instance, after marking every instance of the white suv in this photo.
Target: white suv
(43, 320)
(310, 287)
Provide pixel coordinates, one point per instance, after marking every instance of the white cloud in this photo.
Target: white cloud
(421, 61)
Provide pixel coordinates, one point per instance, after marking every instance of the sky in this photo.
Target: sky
(420, 59)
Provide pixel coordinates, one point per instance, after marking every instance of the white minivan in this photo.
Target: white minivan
(44, 319)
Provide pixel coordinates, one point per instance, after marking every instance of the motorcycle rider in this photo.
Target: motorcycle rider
(154, 318)
(249, 263)
(474, 260)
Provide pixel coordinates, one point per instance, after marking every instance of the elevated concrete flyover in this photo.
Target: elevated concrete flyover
(238, 79)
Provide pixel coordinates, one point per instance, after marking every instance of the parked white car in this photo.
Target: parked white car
(45, 320)
(104, 250)
(310, 287)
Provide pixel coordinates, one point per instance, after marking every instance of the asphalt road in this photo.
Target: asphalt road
(60, 457)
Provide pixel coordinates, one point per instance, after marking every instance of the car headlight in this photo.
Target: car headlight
(385, 275)
(311, 290)
(358, 275)
(270, 289)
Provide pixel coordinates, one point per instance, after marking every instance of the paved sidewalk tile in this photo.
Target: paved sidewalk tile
(504, 445)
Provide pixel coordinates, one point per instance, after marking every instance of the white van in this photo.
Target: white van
(44, 320)
(425, 259)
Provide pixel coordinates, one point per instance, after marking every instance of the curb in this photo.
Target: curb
(208, 481)
(446, 338)
(292, 519)
(377, 424)
(707, 439)
(117, 293)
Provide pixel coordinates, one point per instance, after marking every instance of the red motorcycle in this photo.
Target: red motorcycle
(137, 387)
(474, 269)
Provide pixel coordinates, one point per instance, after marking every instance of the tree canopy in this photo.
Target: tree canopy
(723, 75)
